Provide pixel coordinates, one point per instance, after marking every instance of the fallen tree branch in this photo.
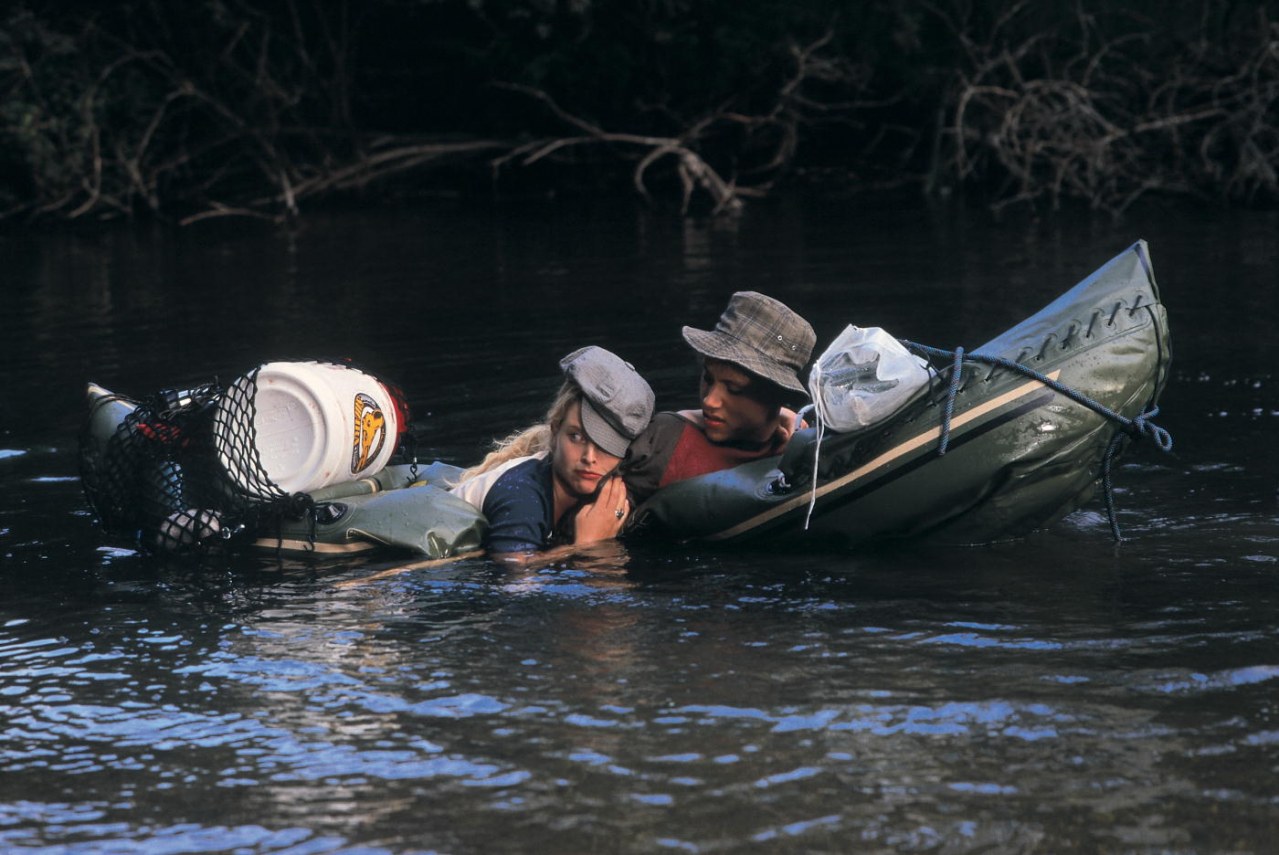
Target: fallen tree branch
(1110, 126)
(693, 171)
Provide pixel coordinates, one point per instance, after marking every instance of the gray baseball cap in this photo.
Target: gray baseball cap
(617, 403)
(761, 335)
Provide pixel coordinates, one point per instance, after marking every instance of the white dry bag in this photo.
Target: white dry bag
(864, 377)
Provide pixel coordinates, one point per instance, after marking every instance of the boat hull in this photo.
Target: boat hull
(1019, 454)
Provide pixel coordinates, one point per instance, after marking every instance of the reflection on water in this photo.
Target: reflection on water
(1058, 692)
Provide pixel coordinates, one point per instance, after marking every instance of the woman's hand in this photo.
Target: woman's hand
(603, 518)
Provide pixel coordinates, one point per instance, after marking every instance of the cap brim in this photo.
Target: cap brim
(716, 345)
(601, 432)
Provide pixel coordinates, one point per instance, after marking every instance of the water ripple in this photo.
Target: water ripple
(1021, 721)
(79, 829)
(1196, 682)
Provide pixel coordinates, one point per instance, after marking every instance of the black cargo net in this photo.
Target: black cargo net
(180, 472)
(234, 442)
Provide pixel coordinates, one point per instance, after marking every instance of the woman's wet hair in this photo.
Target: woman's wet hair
(533, 439)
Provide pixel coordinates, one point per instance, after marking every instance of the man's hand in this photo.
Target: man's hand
(789, 422)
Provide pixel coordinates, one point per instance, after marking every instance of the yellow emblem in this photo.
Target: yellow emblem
(370, 432)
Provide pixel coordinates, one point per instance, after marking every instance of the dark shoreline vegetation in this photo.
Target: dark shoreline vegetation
(261, 108)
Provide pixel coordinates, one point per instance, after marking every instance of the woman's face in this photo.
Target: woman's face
(578, 463)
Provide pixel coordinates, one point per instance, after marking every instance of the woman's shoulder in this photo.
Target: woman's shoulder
(510, 473)
(520, 507)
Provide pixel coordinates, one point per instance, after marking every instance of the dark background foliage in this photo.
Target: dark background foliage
(255, 107)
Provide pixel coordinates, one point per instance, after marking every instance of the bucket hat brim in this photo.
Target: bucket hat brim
(718, 345)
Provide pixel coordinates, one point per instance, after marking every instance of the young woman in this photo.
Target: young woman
(550, 485)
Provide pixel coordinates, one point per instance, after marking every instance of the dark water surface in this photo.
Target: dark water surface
(1057, 693)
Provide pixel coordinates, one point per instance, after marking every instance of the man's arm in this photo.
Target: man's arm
(650, 454)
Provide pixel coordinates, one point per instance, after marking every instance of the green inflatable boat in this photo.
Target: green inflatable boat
(1005, 439)
(1014, 435)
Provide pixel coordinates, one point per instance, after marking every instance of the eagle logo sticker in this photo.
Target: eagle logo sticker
(370, 432)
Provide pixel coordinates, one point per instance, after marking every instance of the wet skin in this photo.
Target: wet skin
(580, 471)
(578, 463)
(736, 407)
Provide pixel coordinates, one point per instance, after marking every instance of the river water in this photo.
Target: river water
(1054, 693)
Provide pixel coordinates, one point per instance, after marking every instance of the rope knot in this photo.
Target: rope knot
(299, 504)
(1137, 428)
(1143, 427)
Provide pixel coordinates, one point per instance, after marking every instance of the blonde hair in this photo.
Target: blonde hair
(532, 439)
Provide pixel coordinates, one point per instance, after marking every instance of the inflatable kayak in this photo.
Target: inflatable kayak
(1011, 437)
(1005, 439)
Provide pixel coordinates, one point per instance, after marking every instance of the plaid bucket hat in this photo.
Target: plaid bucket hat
(762, 336)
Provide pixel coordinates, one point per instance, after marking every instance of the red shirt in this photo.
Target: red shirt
(675, 447)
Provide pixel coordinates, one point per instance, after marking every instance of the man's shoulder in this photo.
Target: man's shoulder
(661, 435)
(670, 421)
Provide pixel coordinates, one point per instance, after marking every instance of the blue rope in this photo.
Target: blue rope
(1107, 491)
(1136, 428)
(949, 409)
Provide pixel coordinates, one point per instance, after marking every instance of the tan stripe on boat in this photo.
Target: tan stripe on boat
(931, 435)
(315, 546)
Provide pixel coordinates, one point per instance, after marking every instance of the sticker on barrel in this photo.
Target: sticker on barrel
(370, 432)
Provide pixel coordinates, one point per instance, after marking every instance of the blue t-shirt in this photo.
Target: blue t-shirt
(520, 507)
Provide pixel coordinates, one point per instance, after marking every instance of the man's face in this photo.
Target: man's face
(735, 405)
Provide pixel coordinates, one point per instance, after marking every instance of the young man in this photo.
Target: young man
(750, 370)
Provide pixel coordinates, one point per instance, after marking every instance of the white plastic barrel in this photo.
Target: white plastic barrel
(313, 424)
